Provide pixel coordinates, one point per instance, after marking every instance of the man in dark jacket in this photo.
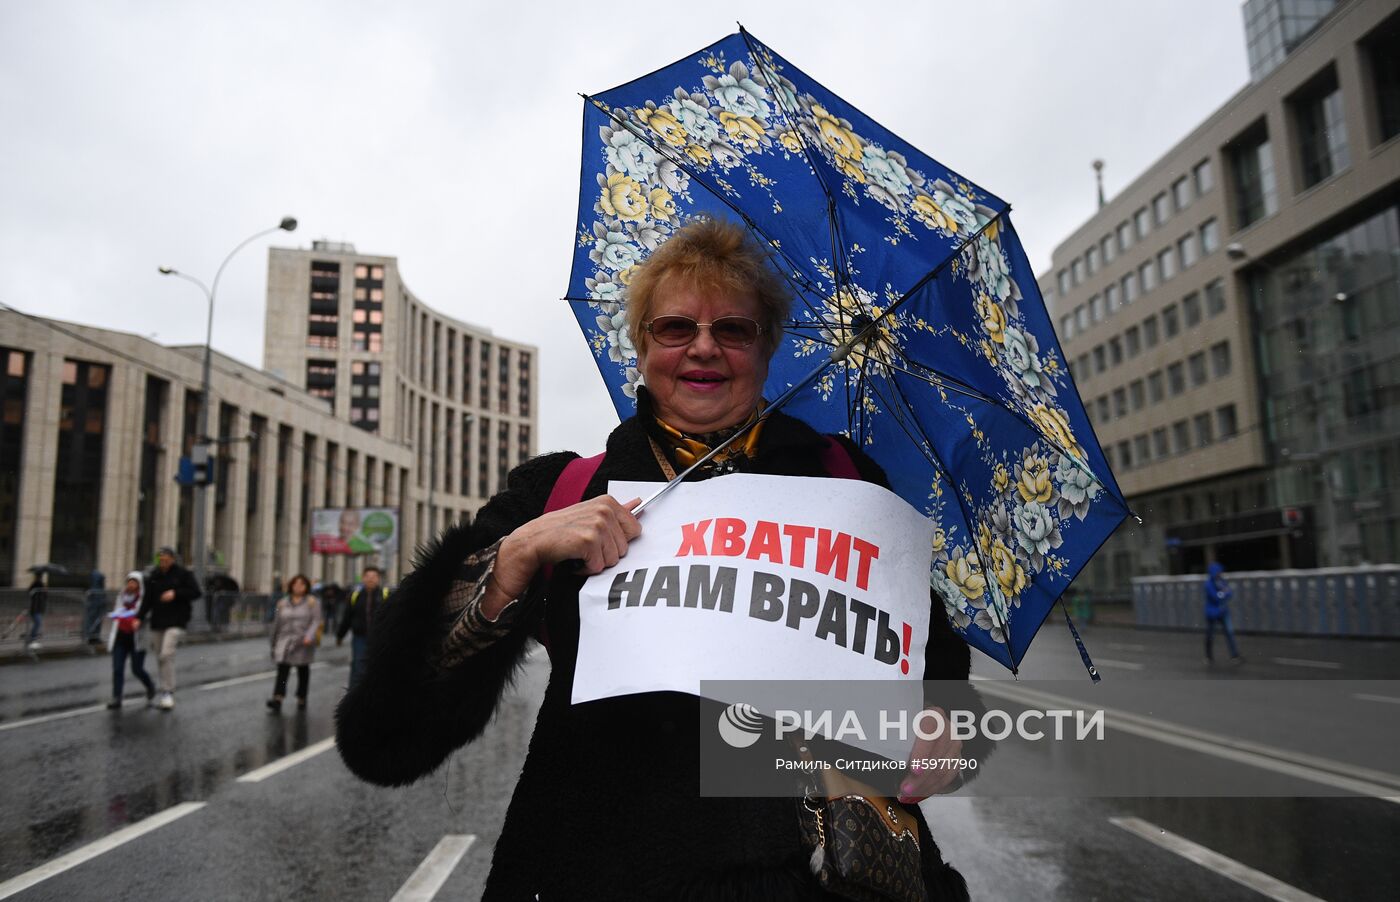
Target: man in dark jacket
(356, 619)
(165, 609)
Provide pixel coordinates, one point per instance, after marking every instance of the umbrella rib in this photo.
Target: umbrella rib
(921, 443)
(968, 518)
(762, 65)
(680, 164)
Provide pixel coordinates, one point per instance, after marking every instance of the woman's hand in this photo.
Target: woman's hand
(933, 764)
(596, 531)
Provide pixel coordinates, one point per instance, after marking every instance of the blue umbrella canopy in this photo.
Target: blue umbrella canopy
(958, 389)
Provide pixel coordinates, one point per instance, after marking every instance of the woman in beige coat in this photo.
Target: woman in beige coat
(295, 633)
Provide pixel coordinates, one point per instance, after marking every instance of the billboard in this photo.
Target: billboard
(354, 530)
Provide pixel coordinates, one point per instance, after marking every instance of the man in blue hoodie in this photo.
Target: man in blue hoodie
(1217, 610)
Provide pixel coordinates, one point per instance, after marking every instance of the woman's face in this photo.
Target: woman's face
(299, 587)
(132, 587)
(702, 386)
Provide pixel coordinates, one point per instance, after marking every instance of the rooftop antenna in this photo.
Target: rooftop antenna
(1098, 177)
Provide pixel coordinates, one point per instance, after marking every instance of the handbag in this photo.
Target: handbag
(863, 846)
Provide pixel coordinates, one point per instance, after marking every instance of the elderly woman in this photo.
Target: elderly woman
(608, 805)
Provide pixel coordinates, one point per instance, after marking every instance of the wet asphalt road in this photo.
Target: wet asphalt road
(312, 831)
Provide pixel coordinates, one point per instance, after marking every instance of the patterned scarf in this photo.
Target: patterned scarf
(687, 448)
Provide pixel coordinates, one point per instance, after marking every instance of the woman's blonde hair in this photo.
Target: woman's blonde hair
(710, 255)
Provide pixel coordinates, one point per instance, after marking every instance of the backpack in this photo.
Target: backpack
(573, 482)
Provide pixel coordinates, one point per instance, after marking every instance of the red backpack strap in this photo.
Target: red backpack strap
(836, 460)
(568, 490)
(571, 484)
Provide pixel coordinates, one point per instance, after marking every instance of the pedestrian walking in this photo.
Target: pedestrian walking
(1217, 610)
(166, 607)
(127, 641)
(38, 605)
(357, 616)
(296, 631)
(94, 605)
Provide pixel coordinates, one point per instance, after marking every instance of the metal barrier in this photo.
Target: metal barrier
(235, 614)
(1337, 601)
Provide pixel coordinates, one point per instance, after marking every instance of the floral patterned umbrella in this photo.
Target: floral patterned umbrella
(959, 388)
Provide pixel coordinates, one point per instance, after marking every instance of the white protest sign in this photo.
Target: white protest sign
(750, 577)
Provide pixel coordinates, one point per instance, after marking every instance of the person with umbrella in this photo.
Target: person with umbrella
(607, 802)
(38, 606)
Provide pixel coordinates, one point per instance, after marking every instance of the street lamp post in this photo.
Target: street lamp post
(200, 451)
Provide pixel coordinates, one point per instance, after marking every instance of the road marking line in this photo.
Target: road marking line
(252, 677)
(1127, 646)
(1126, 665)
(1304, 662)
(48, 717)
(286, 761)
(1226, 867)
(1347, 777)
(1368, 697)
(93, 849)
(425, 882)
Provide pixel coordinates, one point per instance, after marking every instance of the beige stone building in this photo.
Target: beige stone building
(463, 402)
(369, 399)
(95, 422)
(1232, 317)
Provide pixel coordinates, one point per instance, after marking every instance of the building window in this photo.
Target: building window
(1161, 209)
(1115, 351)
(1382, 48)
(1210, 237)
(1091, 260)
(1095, 309)
(1062, 277)
(1181, 437)
(1125, 455)
(484, 381)
(1204, 433)
(1191, 308)
(1171, 321)
(1166, 264)
(1106, 249)
(1322, 130)
(523, 441)
(1154, 386)
(1067, 327)
(483, 466)
(1137, 394)
(1120, 402)
(1081, 318)
(14, 395)
(1142, 224)
(1149, 331)
(1176, 378)
(1083, 364)
(1133, 339)
(1076, 271)
(1111, 301)
(1129, 287)
(1220, 359)
(77, 489)
(1225, 423)
(1140, 449)
(1147, 277)
(1203, 176)
(1100, 359)
(1159, 442)
(1102, 405)
(1186, 252)
(365, 394)
(1252, 169)
(1196, 363)
(1181, 193)
(464, 471)
(1215, 297)
(1125, 236)
(523, 386)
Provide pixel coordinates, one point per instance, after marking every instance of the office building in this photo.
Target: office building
(1232, 320)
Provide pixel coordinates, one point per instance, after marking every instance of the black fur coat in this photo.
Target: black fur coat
(607, 806)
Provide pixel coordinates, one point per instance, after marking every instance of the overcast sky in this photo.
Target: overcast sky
(135, 134)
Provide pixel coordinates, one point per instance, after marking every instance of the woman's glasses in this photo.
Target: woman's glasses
(727, 331)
